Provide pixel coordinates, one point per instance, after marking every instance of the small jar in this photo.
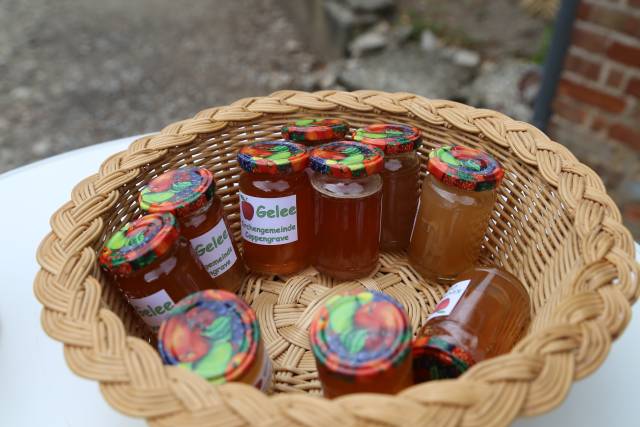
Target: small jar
(362, 344)
(216, 335)
(348, 201)
(315, 131)
(153, 266)
(482, 315)
(189, 193)
(276, 207)
(400, 179)
(456, 203)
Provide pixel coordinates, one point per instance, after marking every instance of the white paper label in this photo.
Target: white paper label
(271, 221)
(154, 308)
(215, 250)
(450, 299)
(263, 382)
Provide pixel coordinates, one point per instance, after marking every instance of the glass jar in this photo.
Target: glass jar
(315, 131)
(189, 193)
(400, 179)
(456, 203)
(276, 207)
(216, 335)
(482, 315)
(153, 266)
(348, 196)
(362, 344)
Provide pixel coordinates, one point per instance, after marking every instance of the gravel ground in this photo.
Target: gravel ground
(74, 72)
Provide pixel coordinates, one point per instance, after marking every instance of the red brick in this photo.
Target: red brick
(599, 123)
(582, 66)
(633, 88)
(569, 110)
(614, 78)
(625, 53)
(625, 134)
(589, 40)
(590, 96)
(609, 18)
(634, 3)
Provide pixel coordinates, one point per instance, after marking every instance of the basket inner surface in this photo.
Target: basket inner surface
(531, 234)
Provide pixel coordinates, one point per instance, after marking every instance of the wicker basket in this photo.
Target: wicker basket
(554, 227)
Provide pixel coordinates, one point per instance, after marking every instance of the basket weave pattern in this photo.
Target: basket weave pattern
(554, 227)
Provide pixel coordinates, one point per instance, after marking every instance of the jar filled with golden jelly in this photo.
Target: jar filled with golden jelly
(482, 315)
(153, 266)
(216, 335)
(400, 179)
(189, 193)
(458, 196)
(362, 344)
(315, 131)
(276, 207)
(348, 202)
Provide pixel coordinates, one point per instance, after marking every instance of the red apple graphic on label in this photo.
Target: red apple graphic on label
(247, 210)
(442, 304)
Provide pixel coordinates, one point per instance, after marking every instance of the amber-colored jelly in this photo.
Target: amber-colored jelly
(263, 252)
(483, 315)
(347, 227)
(448, 230)
(400, 193)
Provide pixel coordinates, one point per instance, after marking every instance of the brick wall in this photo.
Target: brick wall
(597, 105)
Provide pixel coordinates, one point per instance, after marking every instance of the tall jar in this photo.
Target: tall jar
(348, 203)
(400, 179)
(315, 131)
(276, 207)
(216, 335)
(153, 266)
(482, 315)
(362, 344)
(456, 203)
(189, 193)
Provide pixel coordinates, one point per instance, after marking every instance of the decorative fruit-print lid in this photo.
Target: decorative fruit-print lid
(213, 333)
(139, 243)
(390, 138)
(360, 334)
(273, 157)
(315, 129)
(465, 168)
(180, 191)
(346, 159)
(435, 358)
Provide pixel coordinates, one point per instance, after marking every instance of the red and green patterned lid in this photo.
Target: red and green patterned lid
(465, 168)
(315, 130)
(390, 138)
(180, 191)
(360, 334)
(435, 359)
(273, 157)
(139, 243)
(346, 159)
(212, 333)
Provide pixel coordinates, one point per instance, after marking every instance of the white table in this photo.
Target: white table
(38, 389)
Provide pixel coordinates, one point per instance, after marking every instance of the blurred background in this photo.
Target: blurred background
(78, 72)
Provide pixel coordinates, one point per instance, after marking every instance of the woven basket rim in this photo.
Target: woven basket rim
(588, 318)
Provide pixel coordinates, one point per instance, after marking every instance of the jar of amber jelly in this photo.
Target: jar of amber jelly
(362, 344)
(276, 207)
(189, 193)
(315, 131)
(153, 266)
(456, 203)
(482, 315)
(400, 179)
(216, 335)
(348, 201)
